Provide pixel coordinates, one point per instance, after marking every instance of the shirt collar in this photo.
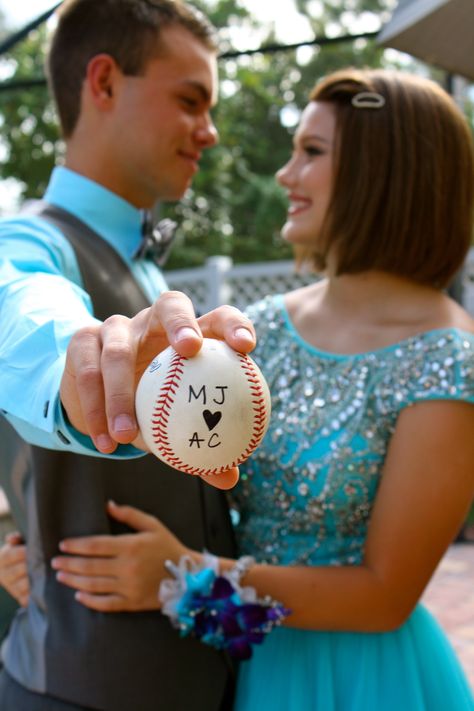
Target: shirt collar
(116, 220)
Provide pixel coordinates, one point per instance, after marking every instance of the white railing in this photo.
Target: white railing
(468, 282)
(222, 282)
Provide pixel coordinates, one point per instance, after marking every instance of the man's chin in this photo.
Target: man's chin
(175, 195)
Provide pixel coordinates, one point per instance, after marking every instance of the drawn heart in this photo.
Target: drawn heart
(212, 418)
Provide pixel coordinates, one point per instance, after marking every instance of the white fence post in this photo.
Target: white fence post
(220, 291)
(222, 282)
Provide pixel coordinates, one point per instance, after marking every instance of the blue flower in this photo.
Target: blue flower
(212, 610)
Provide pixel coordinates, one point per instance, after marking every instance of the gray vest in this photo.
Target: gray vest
(112, 662)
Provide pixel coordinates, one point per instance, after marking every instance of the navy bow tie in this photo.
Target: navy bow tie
(156, 239)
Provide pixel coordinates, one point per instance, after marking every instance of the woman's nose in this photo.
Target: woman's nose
(283, 175)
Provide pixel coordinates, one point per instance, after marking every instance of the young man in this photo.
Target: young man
(134, 82)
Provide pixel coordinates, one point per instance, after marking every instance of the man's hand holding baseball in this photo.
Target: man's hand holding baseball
(105, 362)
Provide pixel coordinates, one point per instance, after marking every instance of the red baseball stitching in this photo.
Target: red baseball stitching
(163, 405)
(258, 401)
(162, 411)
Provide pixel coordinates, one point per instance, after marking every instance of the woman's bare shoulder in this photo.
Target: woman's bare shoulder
(457, 317)
(299, 298)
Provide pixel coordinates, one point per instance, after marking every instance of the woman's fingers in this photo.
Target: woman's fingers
(101, 546)
(14, 538)
(133, 517)
(103, 603)
(77, 565)
(13, 569)
(88, 583)
(16, 572)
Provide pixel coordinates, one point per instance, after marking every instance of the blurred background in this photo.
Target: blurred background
(235, 208)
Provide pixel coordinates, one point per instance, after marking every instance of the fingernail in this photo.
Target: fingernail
(124, 423)
(103, 441)
(62, 546)
(244, 333)
(54, 563)
(185, 332)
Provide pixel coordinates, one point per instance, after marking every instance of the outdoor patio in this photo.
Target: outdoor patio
(450, 597)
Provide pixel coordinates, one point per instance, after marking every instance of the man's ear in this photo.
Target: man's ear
(101, 76)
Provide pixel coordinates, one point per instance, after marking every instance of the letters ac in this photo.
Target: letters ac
(212, 442)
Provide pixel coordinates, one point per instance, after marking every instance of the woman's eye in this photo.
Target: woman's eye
(313, 151)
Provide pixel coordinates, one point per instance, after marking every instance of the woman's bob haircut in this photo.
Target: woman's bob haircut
(403, 184)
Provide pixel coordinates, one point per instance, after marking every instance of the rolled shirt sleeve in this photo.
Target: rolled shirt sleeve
(42, 303)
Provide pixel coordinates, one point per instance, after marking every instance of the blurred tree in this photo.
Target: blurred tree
(29, 131)
(235, 207)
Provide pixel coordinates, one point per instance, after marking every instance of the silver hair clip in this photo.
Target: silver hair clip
(368, 100)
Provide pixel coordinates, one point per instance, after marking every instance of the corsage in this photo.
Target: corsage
(215, 608)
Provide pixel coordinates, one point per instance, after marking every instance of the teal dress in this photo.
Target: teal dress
(305, 498)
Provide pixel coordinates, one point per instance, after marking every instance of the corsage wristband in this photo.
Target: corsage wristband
(215, 608)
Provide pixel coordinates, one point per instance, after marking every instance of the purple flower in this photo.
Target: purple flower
(222, 620)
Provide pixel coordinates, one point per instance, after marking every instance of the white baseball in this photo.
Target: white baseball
(205, 414)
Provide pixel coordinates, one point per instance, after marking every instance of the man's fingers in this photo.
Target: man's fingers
(172, 321)
(227, 323)
(226, 480)
(104, 360)
(82, 390)
(118, 358)
(173, 313)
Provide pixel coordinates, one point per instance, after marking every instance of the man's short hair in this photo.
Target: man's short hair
(127, 30)
(403, 186)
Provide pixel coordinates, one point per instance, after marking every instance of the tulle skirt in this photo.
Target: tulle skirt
(413, 668)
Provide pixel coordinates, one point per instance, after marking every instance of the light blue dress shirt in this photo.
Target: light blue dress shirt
(43, 303)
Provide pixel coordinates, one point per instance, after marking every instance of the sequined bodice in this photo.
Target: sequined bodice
(305, 495)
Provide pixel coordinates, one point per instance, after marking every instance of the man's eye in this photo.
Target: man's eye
(189, 101)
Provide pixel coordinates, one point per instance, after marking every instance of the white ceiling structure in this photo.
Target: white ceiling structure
(440, 32)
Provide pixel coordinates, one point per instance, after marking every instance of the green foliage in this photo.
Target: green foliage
(235, 207)
(29, 130)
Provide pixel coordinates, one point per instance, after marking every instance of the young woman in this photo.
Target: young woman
(367, 470)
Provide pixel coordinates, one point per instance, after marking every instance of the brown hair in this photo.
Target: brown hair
(127, 30)
(403, 190)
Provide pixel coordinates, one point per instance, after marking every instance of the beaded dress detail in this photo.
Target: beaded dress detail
(305, 496)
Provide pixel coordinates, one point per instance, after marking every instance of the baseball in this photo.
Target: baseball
(205, 414)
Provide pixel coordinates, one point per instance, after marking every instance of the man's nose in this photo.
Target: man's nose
(207, 134)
